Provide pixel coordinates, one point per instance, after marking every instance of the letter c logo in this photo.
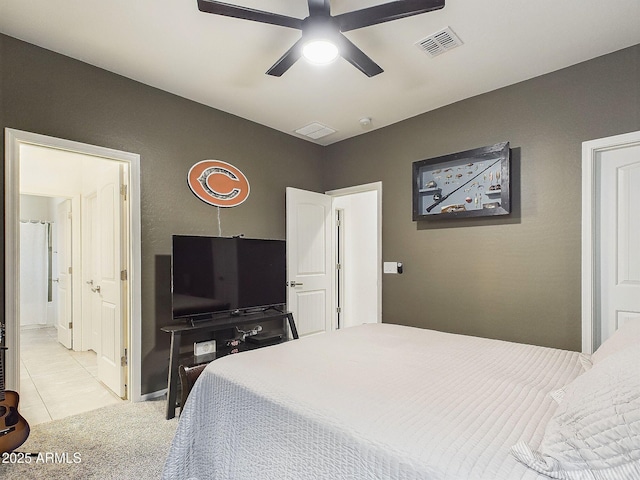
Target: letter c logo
(218, 183)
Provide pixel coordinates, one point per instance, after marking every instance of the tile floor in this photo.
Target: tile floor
(56, 382)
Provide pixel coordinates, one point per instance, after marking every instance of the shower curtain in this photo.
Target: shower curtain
(33, 273)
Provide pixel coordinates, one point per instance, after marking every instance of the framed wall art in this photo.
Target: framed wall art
(474, 183)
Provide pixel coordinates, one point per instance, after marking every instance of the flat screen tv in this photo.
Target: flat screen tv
(212, 275)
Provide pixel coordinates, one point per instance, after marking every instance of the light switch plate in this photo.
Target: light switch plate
(390, 267)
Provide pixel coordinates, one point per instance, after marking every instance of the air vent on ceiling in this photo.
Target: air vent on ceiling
(315, 131)
(439, 42)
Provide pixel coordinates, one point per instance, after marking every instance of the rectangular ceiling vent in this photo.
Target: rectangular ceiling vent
(439, 42)
(315, 131)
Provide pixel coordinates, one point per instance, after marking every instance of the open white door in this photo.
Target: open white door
(619, 216)
(309, 259)
(64, 300)
(94, 268)
(111, 367)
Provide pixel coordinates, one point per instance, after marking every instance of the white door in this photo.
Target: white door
(309, 259)
(94, 269)
(619, 234)
(108, 284)
(64, 290)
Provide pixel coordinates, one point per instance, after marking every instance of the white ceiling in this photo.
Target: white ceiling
(220, 61)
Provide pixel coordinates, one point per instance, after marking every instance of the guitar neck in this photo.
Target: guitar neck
(2, 350)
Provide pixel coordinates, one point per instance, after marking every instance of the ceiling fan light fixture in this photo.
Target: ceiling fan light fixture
(321, 25)
(320, 52)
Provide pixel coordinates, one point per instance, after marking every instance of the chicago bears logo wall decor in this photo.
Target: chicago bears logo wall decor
(218, 183)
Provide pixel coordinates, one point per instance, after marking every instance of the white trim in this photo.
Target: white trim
(368, 187)
(590, 151)
(13, 140)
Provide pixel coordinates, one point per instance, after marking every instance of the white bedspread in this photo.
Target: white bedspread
(377, 401)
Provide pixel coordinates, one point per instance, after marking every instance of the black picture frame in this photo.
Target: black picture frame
(473, 183)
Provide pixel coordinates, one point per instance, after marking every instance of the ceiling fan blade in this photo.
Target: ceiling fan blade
(319, 7)
(357, 57)
(245, 13)
(287, 60)
(385, 13)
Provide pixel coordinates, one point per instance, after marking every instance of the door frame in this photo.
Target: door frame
(590, 248)
(367, 187)
(13, 139)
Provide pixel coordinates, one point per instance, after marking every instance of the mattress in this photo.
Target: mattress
(377, 401)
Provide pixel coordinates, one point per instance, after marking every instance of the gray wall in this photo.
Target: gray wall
(517, 277)
(50, 94)
(514, 278)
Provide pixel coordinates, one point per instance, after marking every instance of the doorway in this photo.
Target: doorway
(610, 236)
(121, 318)
(56, 379)
(334, 265)
(358, 250)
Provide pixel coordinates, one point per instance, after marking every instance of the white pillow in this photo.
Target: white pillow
(628, 334)
(595, 431)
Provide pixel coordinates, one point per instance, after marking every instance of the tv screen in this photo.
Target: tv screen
(217, 274)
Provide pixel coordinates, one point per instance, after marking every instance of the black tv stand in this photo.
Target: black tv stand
(214, 324)
(266, 309)
(197, 319)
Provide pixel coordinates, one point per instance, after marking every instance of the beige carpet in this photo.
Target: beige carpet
(128, 441)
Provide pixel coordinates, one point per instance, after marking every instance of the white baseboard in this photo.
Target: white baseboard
(151, 396)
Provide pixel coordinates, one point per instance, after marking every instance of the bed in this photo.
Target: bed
(383, 401)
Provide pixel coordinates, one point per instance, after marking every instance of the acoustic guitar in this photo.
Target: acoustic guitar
(14, 429)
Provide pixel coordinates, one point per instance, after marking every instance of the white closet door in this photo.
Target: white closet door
(309, 257)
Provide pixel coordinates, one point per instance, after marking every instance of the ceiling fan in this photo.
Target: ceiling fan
(321, 29)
